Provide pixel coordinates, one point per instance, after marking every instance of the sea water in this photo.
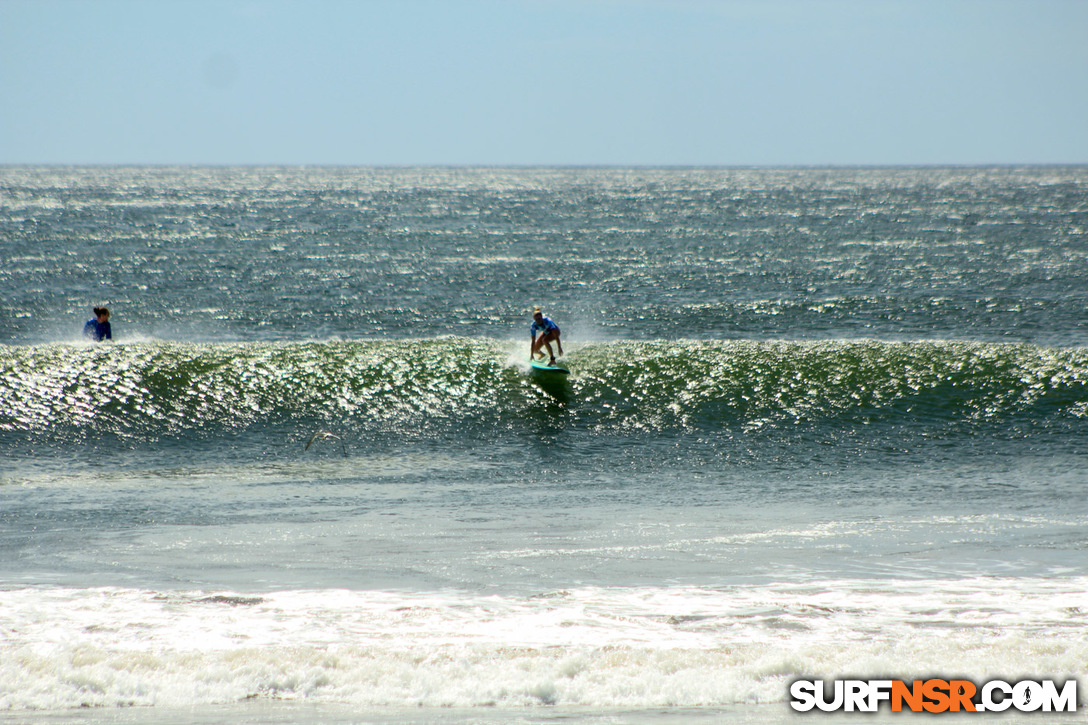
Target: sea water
(820, 423)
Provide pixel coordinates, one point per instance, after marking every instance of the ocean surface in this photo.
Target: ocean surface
(820, 423)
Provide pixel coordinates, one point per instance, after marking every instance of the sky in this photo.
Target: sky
(544, 82)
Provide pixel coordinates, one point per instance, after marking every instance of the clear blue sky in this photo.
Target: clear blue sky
(553, 82)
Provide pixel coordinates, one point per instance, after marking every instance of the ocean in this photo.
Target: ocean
(820, 424)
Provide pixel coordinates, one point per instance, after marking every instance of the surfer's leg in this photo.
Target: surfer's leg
(550, 338)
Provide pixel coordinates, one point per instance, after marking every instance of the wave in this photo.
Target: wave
(152, 390)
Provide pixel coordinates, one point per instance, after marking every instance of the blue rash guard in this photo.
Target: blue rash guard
(97, 331)
(545, 326)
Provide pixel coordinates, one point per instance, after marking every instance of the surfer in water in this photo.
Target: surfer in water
(98, 329)
(543, 333)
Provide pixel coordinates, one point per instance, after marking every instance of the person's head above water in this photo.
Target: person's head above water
(102, 313)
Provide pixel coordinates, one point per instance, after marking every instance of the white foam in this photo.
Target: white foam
(593, 647)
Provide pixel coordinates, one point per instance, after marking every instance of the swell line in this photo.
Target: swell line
(154, 390)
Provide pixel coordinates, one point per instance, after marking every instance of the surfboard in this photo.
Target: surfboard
(539, 366)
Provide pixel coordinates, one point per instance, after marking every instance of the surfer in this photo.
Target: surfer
(543, 333)
(98, 329)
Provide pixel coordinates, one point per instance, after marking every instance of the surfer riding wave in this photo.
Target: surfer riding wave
(543, 333)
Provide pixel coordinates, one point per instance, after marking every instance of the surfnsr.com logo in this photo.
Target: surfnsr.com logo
(934, 695)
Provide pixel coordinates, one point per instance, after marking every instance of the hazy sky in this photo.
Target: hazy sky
(514, 82)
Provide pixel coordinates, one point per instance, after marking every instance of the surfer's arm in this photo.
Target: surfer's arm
(532, 339)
